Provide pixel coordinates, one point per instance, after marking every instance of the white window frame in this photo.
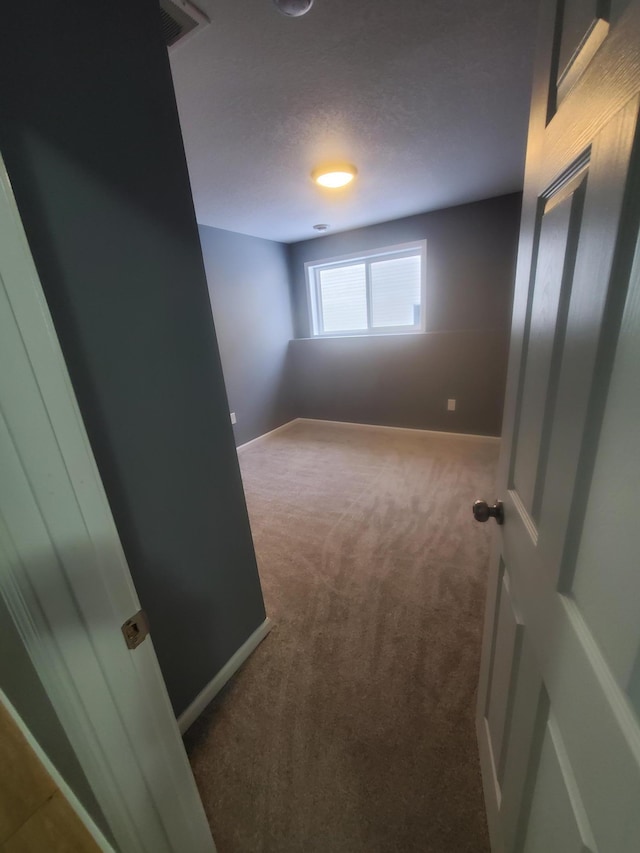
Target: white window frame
(313, 268)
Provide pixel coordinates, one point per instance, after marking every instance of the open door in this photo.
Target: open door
(65, 581)
(559, 699)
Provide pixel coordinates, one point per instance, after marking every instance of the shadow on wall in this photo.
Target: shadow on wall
(248, 282)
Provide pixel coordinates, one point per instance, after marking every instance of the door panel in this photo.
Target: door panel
(530, 714)
(591, 332)
(610, 610)
(582, 26)
(559, 697)
(557, 819)
(506, 663)
(545, 330)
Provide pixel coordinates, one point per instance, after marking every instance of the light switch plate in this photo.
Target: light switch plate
(233, 417)
(451, 405)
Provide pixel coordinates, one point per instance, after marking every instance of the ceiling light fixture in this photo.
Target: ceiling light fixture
(334, 176)
(321, 227)
(293, 8)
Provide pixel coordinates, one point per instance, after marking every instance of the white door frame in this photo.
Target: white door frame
(65, 580)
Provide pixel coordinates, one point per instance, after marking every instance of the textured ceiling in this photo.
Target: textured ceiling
(428, 98)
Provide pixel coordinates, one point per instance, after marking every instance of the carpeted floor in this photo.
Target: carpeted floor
(351, 728)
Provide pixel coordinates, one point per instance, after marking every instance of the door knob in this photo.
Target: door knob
(483, 512)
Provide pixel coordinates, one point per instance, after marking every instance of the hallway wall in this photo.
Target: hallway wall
(92, 144)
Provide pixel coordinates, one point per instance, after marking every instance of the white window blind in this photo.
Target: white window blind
(381, 292)
(343, 298)
(395, 292)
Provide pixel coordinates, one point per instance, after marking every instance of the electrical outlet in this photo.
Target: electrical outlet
(451, 405)
(233, 418)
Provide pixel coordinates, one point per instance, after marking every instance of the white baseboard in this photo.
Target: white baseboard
(191, 714)
(265, 434)
(434, 432)
(413, 430)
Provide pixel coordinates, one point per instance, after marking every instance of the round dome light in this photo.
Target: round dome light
(293, 8)
(334, 177)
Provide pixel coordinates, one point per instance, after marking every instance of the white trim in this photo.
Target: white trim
(191, 714)
(83, 816)
(264, 435)
(391, 334)
(430, 432)
(342, 335)
(365, 254)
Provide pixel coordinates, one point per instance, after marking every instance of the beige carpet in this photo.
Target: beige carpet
(351, 728)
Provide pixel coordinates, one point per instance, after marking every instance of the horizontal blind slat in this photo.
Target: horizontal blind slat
(343, 298)
(395, 292)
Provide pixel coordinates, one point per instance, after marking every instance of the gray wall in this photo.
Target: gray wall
(405, 380)
(249, 289)
(92, 144)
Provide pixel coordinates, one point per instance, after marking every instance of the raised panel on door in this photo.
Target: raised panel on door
(609, 533)
(550, 292)
(595, 297)
(505, 665)
(582, 26)
(556, 821)
(522, 748)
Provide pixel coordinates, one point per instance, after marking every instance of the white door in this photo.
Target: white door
(64, 578)
(559, 697)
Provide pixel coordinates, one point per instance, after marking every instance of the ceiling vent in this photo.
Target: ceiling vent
(180, 20)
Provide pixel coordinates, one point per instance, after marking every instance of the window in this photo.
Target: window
(378, 293)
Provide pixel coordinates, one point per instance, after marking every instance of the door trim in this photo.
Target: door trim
(111, 702)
